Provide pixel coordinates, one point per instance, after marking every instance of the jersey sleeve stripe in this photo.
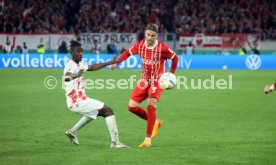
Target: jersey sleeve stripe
(172, 56)
(129, 50)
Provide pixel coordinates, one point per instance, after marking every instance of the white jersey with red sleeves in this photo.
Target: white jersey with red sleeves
(75, 89)
(153, 58)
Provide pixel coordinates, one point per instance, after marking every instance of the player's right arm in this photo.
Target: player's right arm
(101, 65)
(126, 54)
(70, 76)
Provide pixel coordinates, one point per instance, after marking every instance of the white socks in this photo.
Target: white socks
(272, 87)
(112, 127)
(82, 122)
(110, 122)
(148, 139)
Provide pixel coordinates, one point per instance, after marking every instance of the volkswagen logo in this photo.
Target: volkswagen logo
(253, 62)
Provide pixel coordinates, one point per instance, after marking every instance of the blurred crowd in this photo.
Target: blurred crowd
(226, 16)
(177, 16)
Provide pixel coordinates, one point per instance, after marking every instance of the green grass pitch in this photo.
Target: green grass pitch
(235, 126)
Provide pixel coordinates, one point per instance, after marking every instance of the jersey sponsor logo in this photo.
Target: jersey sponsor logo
(253, 62)
(146, 61)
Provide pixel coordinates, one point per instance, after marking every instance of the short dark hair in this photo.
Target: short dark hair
(152, 27)
(74, 44)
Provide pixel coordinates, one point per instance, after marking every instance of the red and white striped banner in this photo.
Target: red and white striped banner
(233, 41)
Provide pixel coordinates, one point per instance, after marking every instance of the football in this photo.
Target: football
(167, 80)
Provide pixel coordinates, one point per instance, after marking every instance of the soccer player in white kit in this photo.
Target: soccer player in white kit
(78, 102)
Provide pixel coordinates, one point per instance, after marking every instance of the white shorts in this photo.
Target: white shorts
(89, 107)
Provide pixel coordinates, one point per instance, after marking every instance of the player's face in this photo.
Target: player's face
(77, 54)
(150, 36)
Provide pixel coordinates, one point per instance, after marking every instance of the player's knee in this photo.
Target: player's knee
(133, 103)
(109, 112)
(153, 102)
(106, 111)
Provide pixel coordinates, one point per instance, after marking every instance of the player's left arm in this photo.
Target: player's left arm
(95, 67)
(168, 53)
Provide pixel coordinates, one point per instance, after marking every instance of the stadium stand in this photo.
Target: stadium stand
(178, 16)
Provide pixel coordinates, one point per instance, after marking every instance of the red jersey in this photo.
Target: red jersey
(153, 58)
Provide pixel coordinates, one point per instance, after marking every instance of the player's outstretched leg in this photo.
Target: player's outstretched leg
(72, 133)
(108, 114)
(135, 108)
(139, 112)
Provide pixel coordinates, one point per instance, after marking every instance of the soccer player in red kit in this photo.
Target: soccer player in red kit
(154, 55)
(268, 89)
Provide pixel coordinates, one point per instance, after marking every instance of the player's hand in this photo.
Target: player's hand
(112, 67)
(113, 60)
(267, 89)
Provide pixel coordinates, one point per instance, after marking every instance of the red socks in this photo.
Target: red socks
(275, 85)
(151, 119)
(139, 112)
(150, 116)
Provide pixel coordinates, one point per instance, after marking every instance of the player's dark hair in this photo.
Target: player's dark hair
(74, 44)
(152, 27)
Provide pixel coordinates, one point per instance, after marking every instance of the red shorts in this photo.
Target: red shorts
(144, 89)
